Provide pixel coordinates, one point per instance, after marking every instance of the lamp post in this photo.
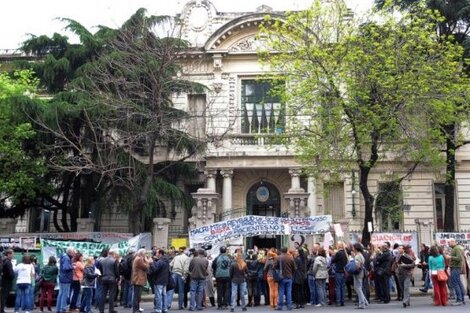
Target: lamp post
(353, 193)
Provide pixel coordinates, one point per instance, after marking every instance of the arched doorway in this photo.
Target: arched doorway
(263, 199)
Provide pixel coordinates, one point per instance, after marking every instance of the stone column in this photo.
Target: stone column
(160, 232)
(227, 189)
(295, 178)
(7, 226)
(312, 198)
(424, 230)
(85, 224)
(210, 174)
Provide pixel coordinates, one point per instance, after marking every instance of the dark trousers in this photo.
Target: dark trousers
(75, 290)
(384, 288)
(137, 297)
(223, 289)
(111, 287)
(399, 290)
(6, 288)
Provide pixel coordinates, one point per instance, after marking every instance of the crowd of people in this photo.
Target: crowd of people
(285, 278)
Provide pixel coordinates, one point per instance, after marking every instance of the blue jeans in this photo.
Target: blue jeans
(98, 292)
(64, 291)
(169, 298)
(179, 285)
(321, 291)
(160, 298)
(358, 280)
(239, 288)
(456, 284)
(196, 290)
(23, 297)
(285, 287)
(86, 300)
(313, 289)
(340, 283)
(127, 293)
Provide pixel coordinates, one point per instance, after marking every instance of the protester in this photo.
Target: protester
(25, 274)
(197, 271)
(313, 299)
(99, 288)
(405, 268)
(8, 277)
(209, 289)
(358, 278)
(49, 274)
(109, 280)
(382, 266)
(320, 271)
(456, 262)
(180, 270)
(89, 282)
(160, 271)
(285, 263)
(140, 268)
(125, 270)
(273, 285)
(252, 276)
(424, 265)
(436, 263)
(78, 269)
(65, 279)
(238, 272)
(221, 269)
(300, 276)
(339, 260)
(331, 276)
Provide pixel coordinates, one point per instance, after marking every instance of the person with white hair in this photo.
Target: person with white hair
(456, 262)
(65, 279)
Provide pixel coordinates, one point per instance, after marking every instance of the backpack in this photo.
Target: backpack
(223, 266)
(352, 268)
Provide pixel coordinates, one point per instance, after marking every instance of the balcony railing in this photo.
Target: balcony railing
(257, 139)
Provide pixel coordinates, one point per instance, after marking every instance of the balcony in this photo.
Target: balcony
(259, 139)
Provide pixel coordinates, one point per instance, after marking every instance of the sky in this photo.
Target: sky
(39, 17)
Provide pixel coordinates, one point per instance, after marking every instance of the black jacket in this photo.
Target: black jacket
(160, 271)
(8, 273)
(340, 259)
(384, 262)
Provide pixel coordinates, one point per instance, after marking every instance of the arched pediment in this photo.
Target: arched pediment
(237, 35)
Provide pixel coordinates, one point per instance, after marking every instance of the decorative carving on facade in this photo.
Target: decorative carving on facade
(251, 44)
(231, 102)
(203, 212)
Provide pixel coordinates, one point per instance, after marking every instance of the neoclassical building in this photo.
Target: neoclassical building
(247, 171)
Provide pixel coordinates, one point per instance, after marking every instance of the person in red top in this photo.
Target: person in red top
(78, 269)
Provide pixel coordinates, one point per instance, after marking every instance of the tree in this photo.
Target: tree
(21, 171)
(361, 93)
(454, 25)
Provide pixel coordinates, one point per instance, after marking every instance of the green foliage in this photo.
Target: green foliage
(355, 89)
(20, 170)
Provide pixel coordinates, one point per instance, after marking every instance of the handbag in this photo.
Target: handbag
(442, 275)
(277, 274)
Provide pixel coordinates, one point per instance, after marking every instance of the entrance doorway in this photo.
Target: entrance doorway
(263, 199)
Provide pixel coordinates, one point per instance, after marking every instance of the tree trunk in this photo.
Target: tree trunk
(449, 213)
(368, 203)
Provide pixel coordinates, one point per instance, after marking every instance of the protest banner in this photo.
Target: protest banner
(104, 237)
(378, 239)
(253, 225)
(462, 239)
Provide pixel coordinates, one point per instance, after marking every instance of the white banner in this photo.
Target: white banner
(254, 225)
(462, 239)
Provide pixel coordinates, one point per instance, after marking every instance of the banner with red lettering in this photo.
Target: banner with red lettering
(378, 239)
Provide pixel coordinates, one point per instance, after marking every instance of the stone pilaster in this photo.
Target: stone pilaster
(160, 232)
(203, 213)
(424, 229)
(312, 198)
(7, 226)
(296, 197)
(85, 224)
(210, 175)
